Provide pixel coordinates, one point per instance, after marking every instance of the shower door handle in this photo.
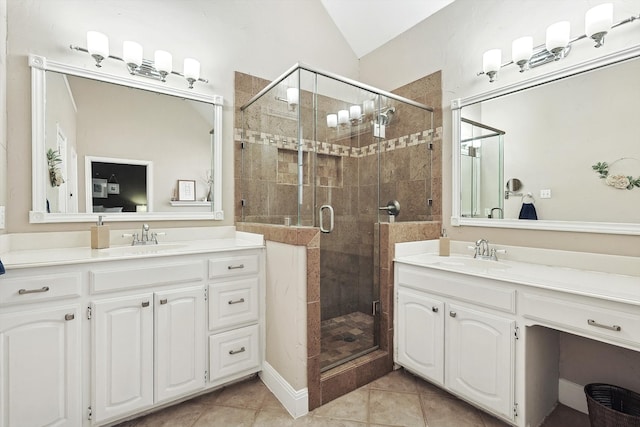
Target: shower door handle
(330, 209)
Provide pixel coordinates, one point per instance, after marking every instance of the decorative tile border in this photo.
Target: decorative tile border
(291, 143)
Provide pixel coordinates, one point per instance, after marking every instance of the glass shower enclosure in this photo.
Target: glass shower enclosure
(481, 170)
(320, 150)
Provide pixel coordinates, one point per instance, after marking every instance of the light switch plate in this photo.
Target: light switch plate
(545, 194)
(1, 217)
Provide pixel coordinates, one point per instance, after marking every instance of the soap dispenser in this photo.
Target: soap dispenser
(99, 235)
(445, 244)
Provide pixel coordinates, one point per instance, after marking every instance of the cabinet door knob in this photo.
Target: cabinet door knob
(69, 316)
(145, 303)
(434, 309)
(453, 314)
(163, 301)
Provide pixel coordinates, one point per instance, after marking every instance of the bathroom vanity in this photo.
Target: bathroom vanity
(486, 330)
(90, 337)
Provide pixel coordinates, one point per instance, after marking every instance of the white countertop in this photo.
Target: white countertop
(599, 284)
(24, 257)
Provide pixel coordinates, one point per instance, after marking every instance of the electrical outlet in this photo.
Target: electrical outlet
(1, 217)
(545, 194)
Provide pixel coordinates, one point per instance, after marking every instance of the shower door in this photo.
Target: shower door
(345, 165)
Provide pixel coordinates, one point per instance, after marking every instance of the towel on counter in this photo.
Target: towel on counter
(1, 267)
(528, 211)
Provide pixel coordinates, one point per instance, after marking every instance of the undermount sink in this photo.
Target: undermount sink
(471, 263)
(142, 249)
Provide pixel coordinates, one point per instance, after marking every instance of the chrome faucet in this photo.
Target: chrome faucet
(498, 209)
(482, 249)
(146, 238)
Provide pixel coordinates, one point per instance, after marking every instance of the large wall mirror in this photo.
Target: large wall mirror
(119, 147)
(547, 134)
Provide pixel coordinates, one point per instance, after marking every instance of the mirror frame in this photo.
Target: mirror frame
(38, 214)
(575, 226)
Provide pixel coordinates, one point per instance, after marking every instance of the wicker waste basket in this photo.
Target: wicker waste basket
(612, 406)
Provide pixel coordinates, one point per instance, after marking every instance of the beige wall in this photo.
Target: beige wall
(259, 37)
(453, 40)
(3, 104)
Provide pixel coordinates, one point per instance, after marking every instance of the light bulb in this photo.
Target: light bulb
(191, 70)
(558, 38)
(343, 117)
(598, 21)
(332, 120)
(163, 61)
(521, 51)
(491, 61)
(292, 96)
(98, 46)
(132, 55)
(354, 112)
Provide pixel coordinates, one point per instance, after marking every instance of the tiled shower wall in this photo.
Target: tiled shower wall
(347, 166)
(347, 178)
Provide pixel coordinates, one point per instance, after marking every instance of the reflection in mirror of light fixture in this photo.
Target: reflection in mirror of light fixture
(343, 117)
(598, 23)
(292, 96)
(558, 35)
(332, 120)
(98, 48)
(355, 111)
(368, 106)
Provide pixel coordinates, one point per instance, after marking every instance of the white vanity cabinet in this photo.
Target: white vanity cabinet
(40, 348)
(451, 331)
(95, 341)
(147, 333)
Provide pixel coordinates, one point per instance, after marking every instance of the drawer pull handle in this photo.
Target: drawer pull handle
(145, 303)
(434, 309)
(232, 352)
(238, 301)
(453, 314)
(235, 267)
(163, 301)
(69, 316)
(33, 291)
(592, 322)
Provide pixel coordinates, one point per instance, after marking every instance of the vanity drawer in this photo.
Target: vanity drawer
(233, 266)
(587, 319)
(143, 274)
(40, 288)
(233, 303)
(477, 290)
(234, 352)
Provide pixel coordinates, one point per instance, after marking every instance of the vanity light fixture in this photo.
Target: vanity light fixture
(598, 23)
(132, 56)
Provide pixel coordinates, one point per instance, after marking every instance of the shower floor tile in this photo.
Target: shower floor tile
(344, 337)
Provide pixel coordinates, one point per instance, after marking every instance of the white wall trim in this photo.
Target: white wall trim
(572, 395)
(296, 402)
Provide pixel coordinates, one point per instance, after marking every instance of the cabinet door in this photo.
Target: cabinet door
(480, 350)
(180, 342)
(40, 368)
(122, 346)
(420, 334)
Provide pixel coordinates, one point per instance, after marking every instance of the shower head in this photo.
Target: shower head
(384, 118)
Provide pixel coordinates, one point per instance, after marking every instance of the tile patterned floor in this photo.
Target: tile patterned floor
(345, 336)
(397, 399)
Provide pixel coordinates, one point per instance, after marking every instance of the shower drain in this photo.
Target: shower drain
(348, 339)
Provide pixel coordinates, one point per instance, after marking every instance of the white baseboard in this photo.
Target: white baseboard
(572, 395)
(296, 402)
